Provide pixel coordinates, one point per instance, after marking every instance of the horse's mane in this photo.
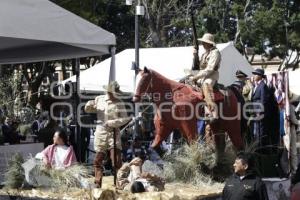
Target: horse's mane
(166, 81)
(168, 85)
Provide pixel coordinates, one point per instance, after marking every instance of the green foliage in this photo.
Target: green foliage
(25, 129)
(14, 177)
(9, 91)
(269, 27)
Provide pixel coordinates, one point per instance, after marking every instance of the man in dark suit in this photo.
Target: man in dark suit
(260, 99)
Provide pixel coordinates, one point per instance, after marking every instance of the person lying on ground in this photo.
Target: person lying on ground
(131, 178)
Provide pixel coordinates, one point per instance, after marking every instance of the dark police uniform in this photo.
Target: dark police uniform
(246, 188)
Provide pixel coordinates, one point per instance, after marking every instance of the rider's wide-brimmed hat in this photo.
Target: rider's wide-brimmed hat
(113, 87)
(208, 38)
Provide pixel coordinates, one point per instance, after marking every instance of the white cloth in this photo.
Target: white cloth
(60, 156)
(290, 139)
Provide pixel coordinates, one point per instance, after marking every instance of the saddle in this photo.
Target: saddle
(215, 94)
(220, 92)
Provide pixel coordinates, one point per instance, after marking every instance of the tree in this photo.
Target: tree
(34, 74)
(168, 22)
(270, 27)
(10, 88)
(113, 16)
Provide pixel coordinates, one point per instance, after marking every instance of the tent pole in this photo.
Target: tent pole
(137, 44)
(112, 77)
(78, 138)
(137, 65)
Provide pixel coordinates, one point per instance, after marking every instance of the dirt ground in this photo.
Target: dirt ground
(173, 191)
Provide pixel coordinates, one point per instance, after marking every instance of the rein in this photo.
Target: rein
(149, 87)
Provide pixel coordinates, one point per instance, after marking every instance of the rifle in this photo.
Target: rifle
(196, 63)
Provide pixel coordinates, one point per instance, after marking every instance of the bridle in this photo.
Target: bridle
(149, 88)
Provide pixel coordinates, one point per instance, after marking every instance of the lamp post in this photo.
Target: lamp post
(139, 11)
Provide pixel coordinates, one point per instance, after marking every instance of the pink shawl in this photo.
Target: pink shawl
(48, 154)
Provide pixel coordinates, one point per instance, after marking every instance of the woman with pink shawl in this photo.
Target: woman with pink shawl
(59, 155)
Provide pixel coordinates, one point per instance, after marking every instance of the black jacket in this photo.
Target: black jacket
(261, 95)
(250, 187)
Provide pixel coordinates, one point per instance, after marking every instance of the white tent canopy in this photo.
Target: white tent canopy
(170, 62)
(294, 82)
(39, 30)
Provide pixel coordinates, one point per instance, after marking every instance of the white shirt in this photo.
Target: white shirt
(60, 156)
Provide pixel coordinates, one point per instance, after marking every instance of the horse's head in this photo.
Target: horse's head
(143, 84)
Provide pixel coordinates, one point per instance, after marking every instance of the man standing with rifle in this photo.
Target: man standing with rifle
(111, 115)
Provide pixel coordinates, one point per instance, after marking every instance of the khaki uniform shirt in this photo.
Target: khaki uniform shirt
(247, 90)
(209, 65)
(110, 115)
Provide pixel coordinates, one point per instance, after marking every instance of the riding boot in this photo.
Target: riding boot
(99, 157)
(210, 108)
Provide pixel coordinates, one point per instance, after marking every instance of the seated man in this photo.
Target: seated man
(244, 183)
(10, 132)
(209, 66)
(131, 178)
(209, 62)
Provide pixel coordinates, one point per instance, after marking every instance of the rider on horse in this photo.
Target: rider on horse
(208, 75)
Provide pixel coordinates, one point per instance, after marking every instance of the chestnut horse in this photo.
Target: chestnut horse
(177, 106)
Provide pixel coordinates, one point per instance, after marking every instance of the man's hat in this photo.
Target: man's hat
(260, 72)
(240, 74)
(208, 38)
(113, 87)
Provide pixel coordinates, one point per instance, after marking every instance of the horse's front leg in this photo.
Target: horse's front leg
(162, 131)
(188, 129)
